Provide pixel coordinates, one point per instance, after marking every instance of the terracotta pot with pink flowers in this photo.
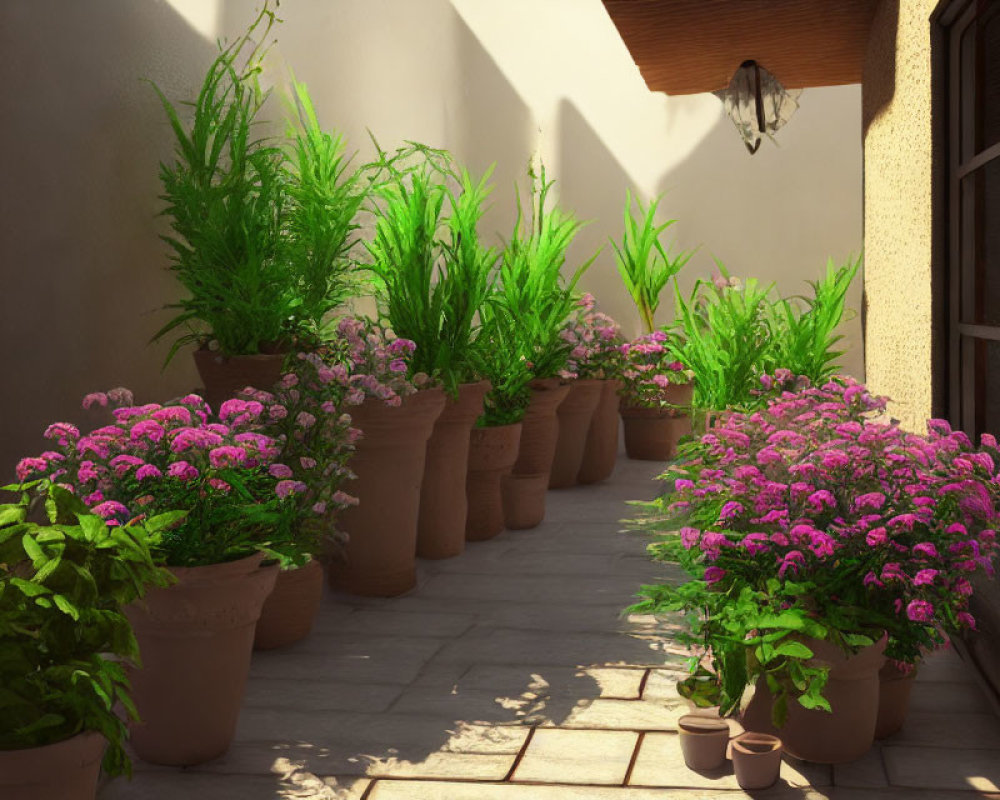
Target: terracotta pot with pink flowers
(241, 505)
(587, 447)
(656, 398)
(395, 414)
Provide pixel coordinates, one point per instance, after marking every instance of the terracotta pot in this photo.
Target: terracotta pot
(852, 690)
(443, 505)
(601, 450)
(290, 610)
(380, 559)
(195, 639)
(67, 770)
(574, 414)
(224, 377)
(756, 760)
(540, 428)
(893, 699)
(524, 500)
(492, 453)
(703, 741)
(651, 434)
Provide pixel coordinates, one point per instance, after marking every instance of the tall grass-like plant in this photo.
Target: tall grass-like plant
(432, 270)
(500, 354)
(805, 338)
(531, 288)
(324, 198)
(724, 338)
(645, 265)
(225, 196)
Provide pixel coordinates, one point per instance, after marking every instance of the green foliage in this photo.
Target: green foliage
(324, 197)
(262, 233)
(725, 339)
(645, 265)
(500, 355)
(63, 635)
(225, 195)
(804, 333)
(730, 334)
(531, 288)
(432, 271)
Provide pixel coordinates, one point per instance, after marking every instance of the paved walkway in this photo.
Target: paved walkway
(509, 674)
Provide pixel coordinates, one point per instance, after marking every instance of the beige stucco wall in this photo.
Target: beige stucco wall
(83, 274)
(898, 207)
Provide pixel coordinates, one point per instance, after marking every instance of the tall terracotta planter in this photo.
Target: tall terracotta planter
(652, 434)
(575, 414)
(601, 449)
(893, 699)
(224, 377)
(290, 610)
(67, 770)
(523, 503)
(443, 504)
(852, 690)
(540, 428)
(492, 453)
(389, 464)
(195, 639)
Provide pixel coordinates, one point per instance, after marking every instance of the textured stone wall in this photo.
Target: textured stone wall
(896, 102)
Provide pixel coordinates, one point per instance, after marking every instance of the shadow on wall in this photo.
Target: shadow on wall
(786, 216)
(880, 62)
(489, 124)
(83, 268)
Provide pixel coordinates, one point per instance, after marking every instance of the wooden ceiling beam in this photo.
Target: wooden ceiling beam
(689, 46)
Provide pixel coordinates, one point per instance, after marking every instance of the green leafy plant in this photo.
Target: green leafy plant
(725, 338)
(804, 338)
(531, 288)
(645, 265)
(432, 271)
(225, 196)
(262, 230)
(324, 198)
(62, 631)
(500, 355)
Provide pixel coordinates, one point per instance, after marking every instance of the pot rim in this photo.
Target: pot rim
(772, 742)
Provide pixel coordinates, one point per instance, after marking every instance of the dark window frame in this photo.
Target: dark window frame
(960, 346)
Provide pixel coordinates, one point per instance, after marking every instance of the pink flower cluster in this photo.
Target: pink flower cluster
(818, 489)
(173, 457)
(596, 342)
(315, 439)
(649, 370)
(372, 362)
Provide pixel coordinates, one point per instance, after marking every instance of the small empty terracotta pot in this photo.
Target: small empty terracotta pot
(756, 760)
(703, 741)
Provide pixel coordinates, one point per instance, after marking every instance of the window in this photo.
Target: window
(971, 38)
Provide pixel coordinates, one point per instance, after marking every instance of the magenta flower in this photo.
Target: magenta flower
(95, 398)
(925, 549)
(287, 488)
(183, 470)
(147, 471)
(110, 509)
(280, 471)
(227, 456)
(966, 619)
(920, 611)
(714, 575)
(925, 577)
(344, 499)
(689, 537)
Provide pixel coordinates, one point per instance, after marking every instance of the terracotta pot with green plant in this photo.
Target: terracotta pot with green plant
(63, 636)
(533, 292)
(196, 635)
(802, 594)
(395, 410)
(316, 443)
(261, 228)
(587, 448)
(497, 437)
(434, 275)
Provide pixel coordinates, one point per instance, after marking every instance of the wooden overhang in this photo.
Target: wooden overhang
(689, 46)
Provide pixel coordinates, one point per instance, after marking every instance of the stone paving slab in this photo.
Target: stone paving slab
(585, 757)
(376, 622)
(868, 772)
(376, 660)
(311, 694)
(943, 768)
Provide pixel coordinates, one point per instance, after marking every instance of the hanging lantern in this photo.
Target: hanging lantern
(757, 103)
